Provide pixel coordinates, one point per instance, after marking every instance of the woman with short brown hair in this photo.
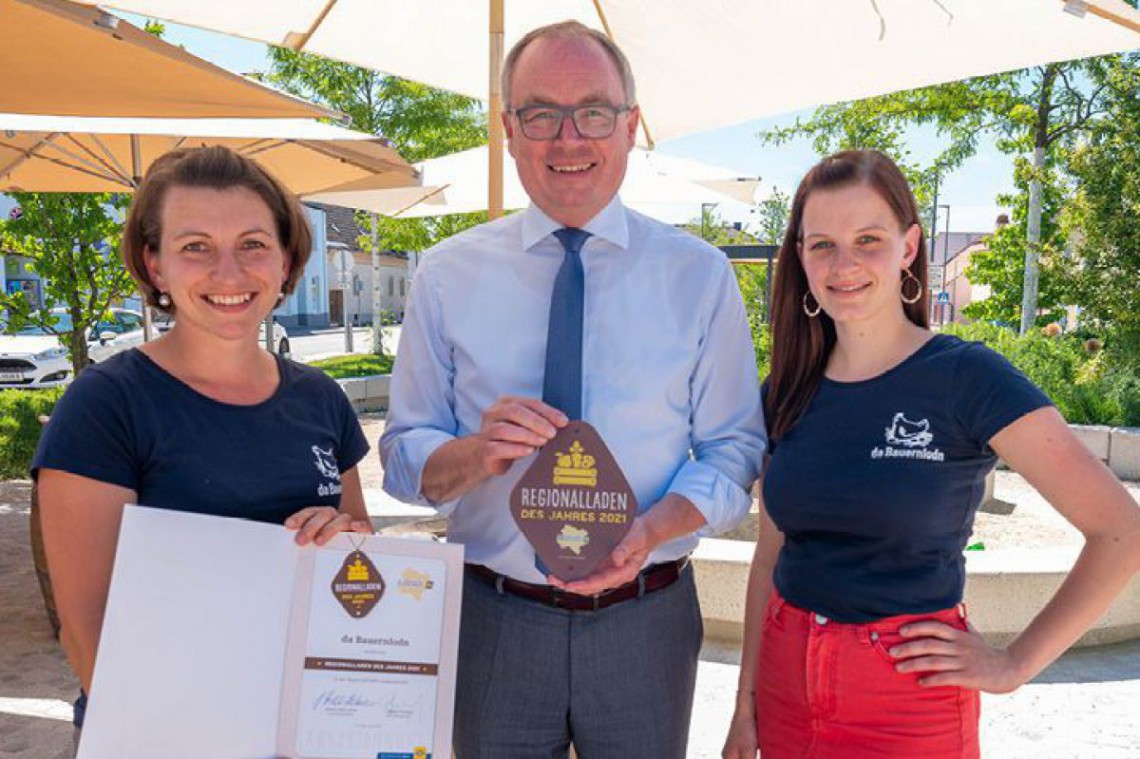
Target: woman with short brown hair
(201, 419)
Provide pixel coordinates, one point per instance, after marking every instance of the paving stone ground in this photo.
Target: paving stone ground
(1085, 706)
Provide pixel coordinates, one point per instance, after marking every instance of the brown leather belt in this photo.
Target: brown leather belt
(651, 579)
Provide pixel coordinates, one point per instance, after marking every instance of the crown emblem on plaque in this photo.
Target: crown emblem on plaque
(575, 467)
(357, 572)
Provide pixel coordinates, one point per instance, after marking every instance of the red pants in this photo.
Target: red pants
(828, 690)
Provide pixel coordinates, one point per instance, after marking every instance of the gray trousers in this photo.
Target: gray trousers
(617, 683)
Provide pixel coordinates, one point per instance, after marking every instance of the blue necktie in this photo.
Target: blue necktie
(562, 382)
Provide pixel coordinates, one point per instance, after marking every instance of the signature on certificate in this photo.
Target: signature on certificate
(331, 699)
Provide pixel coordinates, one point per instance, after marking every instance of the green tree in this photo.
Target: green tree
(71, 240)
(1002, 264)
(397, 234)
(774, 213)
(420, 121)
(1102, 219)
(712, 228)
(753, 282)
(1036, 113)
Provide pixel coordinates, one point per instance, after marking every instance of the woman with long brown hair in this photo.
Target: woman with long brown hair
(882, 432)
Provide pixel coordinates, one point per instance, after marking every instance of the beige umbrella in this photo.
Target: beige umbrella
(655, 184)
(699, 65)
(57, 154)
(66, 59)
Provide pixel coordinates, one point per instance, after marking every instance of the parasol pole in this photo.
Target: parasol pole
(494, 109)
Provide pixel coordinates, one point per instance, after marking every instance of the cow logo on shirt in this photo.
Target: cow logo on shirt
(326, 465)
(908, 439)
(907, 433)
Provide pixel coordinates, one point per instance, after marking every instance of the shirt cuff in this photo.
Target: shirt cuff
(403, 471)
(721, 501)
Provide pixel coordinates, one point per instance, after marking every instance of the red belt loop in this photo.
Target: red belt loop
(777, 602)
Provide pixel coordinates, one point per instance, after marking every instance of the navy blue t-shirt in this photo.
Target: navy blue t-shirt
(876, 486)
(128, 422)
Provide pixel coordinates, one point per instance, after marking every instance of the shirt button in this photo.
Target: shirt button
(821, 620)
(874, 637)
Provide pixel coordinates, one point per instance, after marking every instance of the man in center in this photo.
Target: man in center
(576, 308)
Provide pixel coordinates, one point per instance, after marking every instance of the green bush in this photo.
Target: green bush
(752, 278)
(1087, 388)
(1121, 389)
(20, 427)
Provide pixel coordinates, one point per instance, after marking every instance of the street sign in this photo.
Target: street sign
(943, 298)
(343, 265)
(936, 276)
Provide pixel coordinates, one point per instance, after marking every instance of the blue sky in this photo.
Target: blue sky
(970, 192)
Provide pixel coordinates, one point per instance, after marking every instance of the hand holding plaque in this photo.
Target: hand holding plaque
(574, 504)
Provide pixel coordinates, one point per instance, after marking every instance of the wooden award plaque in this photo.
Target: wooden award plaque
(574, 504)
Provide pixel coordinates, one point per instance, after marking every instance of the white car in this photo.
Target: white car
(35, 358)
(280, 343)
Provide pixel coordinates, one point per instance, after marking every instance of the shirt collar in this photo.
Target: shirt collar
(610, 224)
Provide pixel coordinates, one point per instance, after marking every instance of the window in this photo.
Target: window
(401, 287)
(391, 286)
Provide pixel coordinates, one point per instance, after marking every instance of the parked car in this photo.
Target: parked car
(33, 357)
(163, 323)
(280, 343)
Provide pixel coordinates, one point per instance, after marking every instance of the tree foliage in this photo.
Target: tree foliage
(71, 240)
(774, 213)
(1002, 264)
(1036, 113)
(1103, 217)
(421, 122)
(959, 112)
(753, 282)
(402, 234)
(711, 227)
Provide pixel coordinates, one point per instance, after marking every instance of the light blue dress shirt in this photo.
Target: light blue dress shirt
(669, 373)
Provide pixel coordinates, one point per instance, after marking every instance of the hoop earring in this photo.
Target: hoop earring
(164, 300)
(811, 312)
(917, 288)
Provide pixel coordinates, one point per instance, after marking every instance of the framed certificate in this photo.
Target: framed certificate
(223, 638)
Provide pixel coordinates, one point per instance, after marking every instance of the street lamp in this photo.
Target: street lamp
(945, 260)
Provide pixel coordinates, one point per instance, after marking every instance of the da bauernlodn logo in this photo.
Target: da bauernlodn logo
(573, 503)
(358, 585)
(907, 439)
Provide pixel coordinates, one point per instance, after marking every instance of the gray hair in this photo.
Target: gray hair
(569, 30)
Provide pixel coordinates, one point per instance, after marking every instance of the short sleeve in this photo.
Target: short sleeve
(353, 444)
(990, 393)
(90, 434)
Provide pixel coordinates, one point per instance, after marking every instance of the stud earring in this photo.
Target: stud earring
(164, 300)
